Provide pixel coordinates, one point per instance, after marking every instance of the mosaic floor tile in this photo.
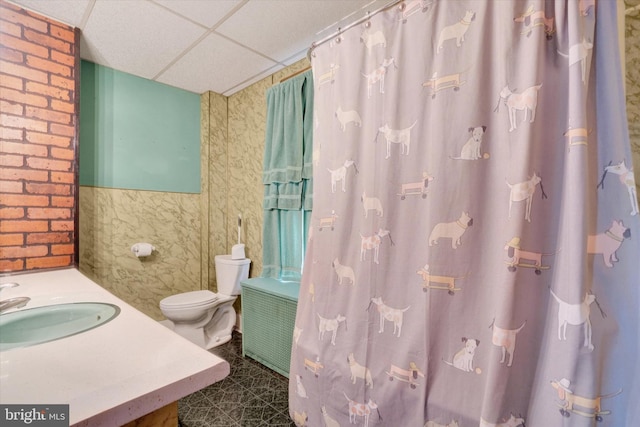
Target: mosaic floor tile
(251, 396)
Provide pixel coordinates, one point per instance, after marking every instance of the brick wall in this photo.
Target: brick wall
(39, 75)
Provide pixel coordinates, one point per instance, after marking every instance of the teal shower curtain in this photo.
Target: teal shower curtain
(287, 176)
(474, 254)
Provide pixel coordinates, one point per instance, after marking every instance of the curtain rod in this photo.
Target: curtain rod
(353, 24)
(297, 73)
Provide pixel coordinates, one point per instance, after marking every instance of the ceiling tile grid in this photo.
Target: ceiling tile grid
(201, 45)
(136, 36)
(215, 64)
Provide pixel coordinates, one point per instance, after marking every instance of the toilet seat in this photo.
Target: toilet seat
(191, 299)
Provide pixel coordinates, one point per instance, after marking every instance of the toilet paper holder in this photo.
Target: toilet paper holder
(142, 249)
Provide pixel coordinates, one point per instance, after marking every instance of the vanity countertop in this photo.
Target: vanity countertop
(109, 375)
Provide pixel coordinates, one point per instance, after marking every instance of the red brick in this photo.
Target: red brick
(57, 189)
(44, 89)
(63, 82)
(22, 19)
(43, 18)
(22, 123)
(15, 265)
(11, 160)
(43, 138)
(62, 225)
(14, 226)
(65, 34)
(11, 187)
(11, 108)
(48, 66)
(7, 134)
(66, 106)
(25, 72)
(61, 153)
(62, 202)
(11, 239)
(24, 200)
(62, 129)
(65, 177)
(62, 249)
(22, 174)
(48, 115)
(48, 213)
(24, 46)
(48, 262)
(63, 58)
(10, 28)
(11, 82)
(23, 251)
(24, 148)
(46, 40)
(35, 238)
(11, 55)
(24, 98)
(11, 213)
(48, 164)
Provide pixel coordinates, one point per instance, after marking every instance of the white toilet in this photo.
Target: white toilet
(204, 317)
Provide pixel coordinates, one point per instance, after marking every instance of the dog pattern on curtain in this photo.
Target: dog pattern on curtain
(470, 258)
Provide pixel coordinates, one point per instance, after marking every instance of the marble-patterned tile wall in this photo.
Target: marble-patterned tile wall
(218, 186)
(247, 118)
(112, 220)
(632, 55)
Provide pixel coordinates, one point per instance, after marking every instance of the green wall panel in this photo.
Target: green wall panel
(136, 133)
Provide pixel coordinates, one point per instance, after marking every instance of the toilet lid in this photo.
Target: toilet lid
(189, 299)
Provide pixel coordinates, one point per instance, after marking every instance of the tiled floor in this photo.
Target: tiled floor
(252, 395)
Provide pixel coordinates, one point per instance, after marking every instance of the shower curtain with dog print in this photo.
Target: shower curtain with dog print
(470, 259)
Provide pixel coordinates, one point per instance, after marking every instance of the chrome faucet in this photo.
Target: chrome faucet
(17, 302)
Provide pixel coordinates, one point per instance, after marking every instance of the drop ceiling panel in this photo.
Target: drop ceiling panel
(206, 13)
(68, 12)
(280, 29)
(138, 37)
(215, 64)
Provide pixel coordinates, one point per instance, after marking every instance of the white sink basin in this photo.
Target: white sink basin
(38, 325)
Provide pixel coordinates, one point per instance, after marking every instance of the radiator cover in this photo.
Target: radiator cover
(268, 318)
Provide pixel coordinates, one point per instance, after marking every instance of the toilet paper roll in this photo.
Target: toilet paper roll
(142, 249)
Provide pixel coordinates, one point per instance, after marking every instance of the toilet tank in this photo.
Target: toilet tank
(229, 273)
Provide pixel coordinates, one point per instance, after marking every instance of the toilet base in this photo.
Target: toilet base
(221, 340)
(215, 333)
